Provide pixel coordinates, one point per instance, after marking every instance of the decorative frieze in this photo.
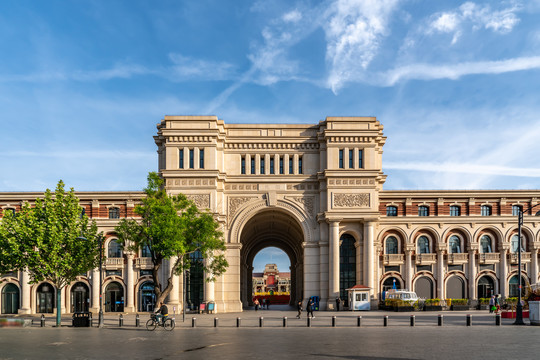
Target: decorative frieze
(351, 182)
(351, 139)
(272, 146)
(351, 200)
(189, 139)
(190, 182)
(242, 187)
(201, 200)
(303, 187)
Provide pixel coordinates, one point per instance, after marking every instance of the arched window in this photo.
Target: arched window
(485, 244)
(423, 210)
(8, 210)
(485, 210)
(455, 288)
(115, 249)
(391, 211)
(514, 286)
(114, 213)
(347, 266)
(145, 251)
(515, 244)
(423, 245)
(454, 245)
(455, 210)
(391, 245)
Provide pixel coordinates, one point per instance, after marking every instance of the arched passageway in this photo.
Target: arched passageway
(271, 228)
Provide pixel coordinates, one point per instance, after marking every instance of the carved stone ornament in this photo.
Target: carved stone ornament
(351, 200)
(202, 201)
(235, 203)
(308, 203)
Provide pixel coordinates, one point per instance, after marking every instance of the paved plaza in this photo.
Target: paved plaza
(398, 340)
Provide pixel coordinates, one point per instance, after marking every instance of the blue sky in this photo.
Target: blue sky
(271, 255)
(455, 83)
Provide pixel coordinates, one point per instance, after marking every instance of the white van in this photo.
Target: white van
(405, 295)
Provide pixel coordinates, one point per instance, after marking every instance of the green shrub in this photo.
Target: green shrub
(460, 301)
(433, 302)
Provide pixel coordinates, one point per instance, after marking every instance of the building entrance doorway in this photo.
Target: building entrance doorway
(80, 298)
(271, 279)
(272, 229)
(10, 299)
(45, 299)
(114, 297)
(147, 297)
(486, 287)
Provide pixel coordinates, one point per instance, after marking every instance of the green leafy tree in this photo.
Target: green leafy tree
(52, 240)
(173, 228)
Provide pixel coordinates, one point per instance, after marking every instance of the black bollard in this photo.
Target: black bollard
(284, 321)
(308, 321)
(385, 321)
(238, 322)
(469, 320)
(440, 320)
(413, 318)
(333, 321)
(193, 322)
(42, 320)
(137, 321)
(120, 321)
(359, 321)
(216, 322)
(261, 321)
(498, 319)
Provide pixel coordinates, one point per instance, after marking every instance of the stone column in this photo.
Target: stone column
(472, 271)
(333, 263)
(26, 291)
(130, 303)
(409, 270)
(369, 238)
(323, 269)
(174, 295)
(502, 273)
(440, 271)
(95, 290)
(534, 262)
(311, 270)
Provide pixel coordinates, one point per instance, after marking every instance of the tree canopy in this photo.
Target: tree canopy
(173, 228)
(52, 240)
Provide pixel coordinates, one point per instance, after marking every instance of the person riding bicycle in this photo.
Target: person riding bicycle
(161, 313)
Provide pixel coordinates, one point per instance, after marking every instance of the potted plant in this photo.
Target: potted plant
(460, 304)
(483, 304)
(403, 306)
(432, 305)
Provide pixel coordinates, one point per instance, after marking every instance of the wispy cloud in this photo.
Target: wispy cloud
(186, 67)
(454, 71)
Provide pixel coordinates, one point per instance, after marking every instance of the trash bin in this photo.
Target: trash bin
(211, 306)
(82, 319)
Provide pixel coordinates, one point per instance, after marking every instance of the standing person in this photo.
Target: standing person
(267, 304)
(492, 306)
(263, 303)
(338, 301)
(256, 303)
(497, 304)
(309, 309)
(299, 308)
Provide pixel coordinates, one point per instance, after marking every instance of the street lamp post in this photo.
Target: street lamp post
(100, 316)
(519, 307)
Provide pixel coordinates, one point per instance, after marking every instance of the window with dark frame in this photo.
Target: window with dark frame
(351, 159)
(243, 165)
(252, 165)
(485, 210)
(262, 164)
(114, 213)
(191, 158)
(291, 165)
(181, 156)
(455, 210)
(281, 169)
(300, 167)
(341, 166)
(423, 210)
(361, 159)
(391, 211)
(347, 266)
(201, 158)
(272, 165)
(516, 210)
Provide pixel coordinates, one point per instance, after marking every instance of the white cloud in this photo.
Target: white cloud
(446, 22)
(186, 67)
(292, 16)
(455, 71)
(353, 32)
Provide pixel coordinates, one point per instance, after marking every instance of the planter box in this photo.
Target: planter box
(432, 307)
(404, 308)
(460, 307)
(512, 314)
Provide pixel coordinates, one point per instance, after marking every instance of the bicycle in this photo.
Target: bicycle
(153, 322)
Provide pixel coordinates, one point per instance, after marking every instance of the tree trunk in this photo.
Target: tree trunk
(58, 306)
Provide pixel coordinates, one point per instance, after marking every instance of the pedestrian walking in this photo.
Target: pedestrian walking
(267, 304)
(256, 303)
(338, 301)
(263, 303)
(492, 306)
(299, 308)
(497, 304)
(309, 309)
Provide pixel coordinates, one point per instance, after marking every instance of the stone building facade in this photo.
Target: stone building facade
(316, 192)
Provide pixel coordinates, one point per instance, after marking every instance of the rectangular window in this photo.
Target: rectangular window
(341, 159)
(391, 211)
(423, 211)
(454, 211)
(181, 162)
(191, 158)
(290, 165)
(243, 161)
(272, 165)
(485, 210)
(262, 165)
(516, 209)
(281, 170)
(300, 167)
(252, 165)
(351, 159)
(360, 159)
(201, 159)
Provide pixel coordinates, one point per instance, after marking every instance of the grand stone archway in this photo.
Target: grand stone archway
(271, 227)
